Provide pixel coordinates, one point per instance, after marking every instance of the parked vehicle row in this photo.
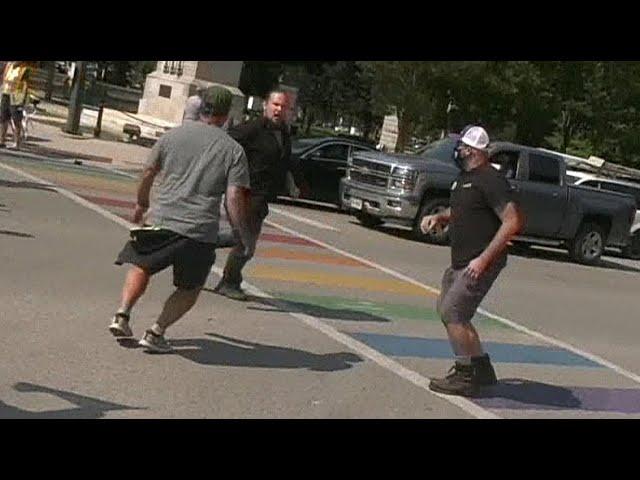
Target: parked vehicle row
(630, 188)
(324, 163)
(381, 187)
(580, 212)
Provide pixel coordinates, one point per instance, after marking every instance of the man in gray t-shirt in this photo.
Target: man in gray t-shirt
(198, 163)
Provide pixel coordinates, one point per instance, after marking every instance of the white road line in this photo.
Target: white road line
(533, 333)
(366, 351)
(302, 219)
(377, 357)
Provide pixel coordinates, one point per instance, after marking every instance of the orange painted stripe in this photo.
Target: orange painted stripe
(337, 280)
(304, 256)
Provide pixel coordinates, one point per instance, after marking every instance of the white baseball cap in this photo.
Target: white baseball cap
(476, 137)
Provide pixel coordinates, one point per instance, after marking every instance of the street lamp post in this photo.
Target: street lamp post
(75, 101)
(51, 73)
(450, 108)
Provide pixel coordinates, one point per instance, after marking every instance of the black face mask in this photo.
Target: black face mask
(458, 158)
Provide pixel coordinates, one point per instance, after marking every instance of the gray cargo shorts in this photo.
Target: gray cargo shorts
(461, 295)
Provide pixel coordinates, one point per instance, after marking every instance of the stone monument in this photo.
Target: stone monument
(167, 88)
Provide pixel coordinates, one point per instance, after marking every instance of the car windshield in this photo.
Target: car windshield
(440, 149)
(302, 144)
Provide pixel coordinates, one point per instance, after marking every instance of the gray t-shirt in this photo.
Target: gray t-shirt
(197, 161)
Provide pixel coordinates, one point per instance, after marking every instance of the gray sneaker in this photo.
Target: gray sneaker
(232, 292)
(152, 342)
(120, 326)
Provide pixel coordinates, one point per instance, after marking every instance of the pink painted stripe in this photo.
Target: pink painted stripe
(274, 237)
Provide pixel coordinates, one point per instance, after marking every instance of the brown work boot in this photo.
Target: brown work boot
(466, 380)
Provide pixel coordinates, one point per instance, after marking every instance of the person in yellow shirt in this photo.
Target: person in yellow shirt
(15, 92)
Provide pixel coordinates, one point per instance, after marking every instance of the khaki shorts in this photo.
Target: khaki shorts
(461, 295)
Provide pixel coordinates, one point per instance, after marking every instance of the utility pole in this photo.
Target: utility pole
(51, 72)
(75, 101)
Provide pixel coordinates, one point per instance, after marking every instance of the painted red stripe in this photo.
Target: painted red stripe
(267, 237)
(112, 202)
(274, 237)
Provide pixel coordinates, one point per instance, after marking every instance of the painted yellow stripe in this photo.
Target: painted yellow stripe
(337, 280)
(306, 256)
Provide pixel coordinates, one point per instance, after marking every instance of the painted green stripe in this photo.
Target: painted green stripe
(341, 308)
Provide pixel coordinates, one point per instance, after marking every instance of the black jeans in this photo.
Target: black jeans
(258, 211)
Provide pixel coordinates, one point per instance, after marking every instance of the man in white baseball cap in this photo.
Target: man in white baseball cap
(483, 218)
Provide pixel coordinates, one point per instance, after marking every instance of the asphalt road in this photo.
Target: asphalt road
(342, 323)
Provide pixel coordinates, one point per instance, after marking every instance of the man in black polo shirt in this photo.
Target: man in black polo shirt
(267, 144)
(482, 219)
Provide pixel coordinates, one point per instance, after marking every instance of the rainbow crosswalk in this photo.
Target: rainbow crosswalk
(393, 316)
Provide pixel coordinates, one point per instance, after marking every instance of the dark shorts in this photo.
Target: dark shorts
(8, 111)
(191, 260)
(461, 296)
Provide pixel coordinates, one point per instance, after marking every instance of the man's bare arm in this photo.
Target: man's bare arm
(144, 190)
(512, 223)
(237, 204)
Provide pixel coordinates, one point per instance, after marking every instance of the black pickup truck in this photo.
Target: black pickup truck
(403, 189)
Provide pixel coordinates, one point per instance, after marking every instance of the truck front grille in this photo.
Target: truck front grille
(361, 164)
(368, 179)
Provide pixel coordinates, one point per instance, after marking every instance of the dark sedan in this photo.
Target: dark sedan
(324, 163)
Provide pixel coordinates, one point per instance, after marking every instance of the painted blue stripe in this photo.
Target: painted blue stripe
(398, 346)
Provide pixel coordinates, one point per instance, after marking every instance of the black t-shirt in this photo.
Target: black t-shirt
(476, 197)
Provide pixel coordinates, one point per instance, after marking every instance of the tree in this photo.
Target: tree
(257, 78)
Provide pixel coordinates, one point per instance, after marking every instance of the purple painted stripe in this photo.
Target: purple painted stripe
(516, 394)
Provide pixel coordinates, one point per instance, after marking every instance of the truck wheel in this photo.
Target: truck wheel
(632, 250)
(440, 235)
(367, 220)
(588, 245)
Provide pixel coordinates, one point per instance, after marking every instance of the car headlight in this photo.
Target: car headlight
(403, 178)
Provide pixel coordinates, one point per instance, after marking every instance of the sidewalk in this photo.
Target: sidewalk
(47, 137)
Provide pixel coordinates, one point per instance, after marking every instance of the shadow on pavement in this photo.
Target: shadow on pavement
(517, 393)
(36, 140)
(24, 184)
(86, 407)
(16, 234)
(233, 352)
(288, 306)
(128, 342)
